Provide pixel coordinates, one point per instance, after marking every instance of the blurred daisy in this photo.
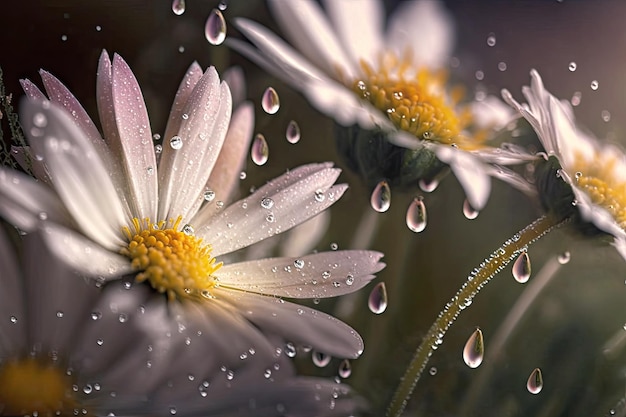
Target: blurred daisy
(582, 177)
(394, 80)
(111, 211)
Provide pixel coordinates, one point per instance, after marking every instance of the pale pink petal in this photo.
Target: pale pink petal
(104, 94)
(30, 163)
(13, 319)
(31, 90)
(320, 275)
(136, 138)
(306, 236)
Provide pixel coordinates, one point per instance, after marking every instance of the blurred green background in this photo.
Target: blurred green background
(565, 332)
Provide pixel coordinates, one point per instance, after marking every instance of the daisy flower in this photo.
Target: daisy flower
(108, 210)
(584, 178)
(365, 77)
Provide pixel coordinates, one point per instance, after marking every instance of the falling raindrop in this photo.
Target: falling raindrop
(491, 40)
(178, 7)
(572, 66)
(521, 268)
(223, 5)
(416, 215)
(594, 85)
(468, 211)
(377, 301)
(575, 100)
(293, 132)
(474, 349)
(345, 369)
(381, 197)
(564, 257)
(290, 350)
(270, 101)
(215, 28)
(534, 385)
(606, 116)
(428, 186)
(320, 359)
(260, 151)
(176, 142)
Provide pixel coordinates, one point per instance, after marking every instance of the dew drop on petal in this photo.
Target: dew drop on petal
(521, 268)
(176, 142)
(594, 85)
(345, 369)
(534, 385)
(468, 211)
(320, 359)
(188, 230)
(293, 132)
(474, 349)
(564, 257)
(209, 195)
(428, 186)
(267, 203)
(260, 151)
(178, 7)
(270, 101)
(158, 149)
(215, 28)
(416, 215)
(377, 301)
(381, 197)
(572, 66)
(290, 350)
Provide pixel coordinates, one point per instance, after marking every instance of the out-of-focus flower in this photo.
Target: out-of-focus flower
(582, 177)
(110, 211)
(391, 82)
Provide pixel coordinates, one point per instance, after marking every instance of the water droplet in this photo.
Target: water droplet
(188, 230)
(293, 132)
(123, 318)
(267, 203)
(178, 7)
(60, 314)
(521, 268)
(606, 116)
(96, 315)
(416, 215)
(298, 263)
(290, 350)
(334, 246)
(479, 75)
(209, 195)
(564, 257)
(158, 149)
(243, 175)
(63, 38)
(267, 374)
(223, 4)
(572, 66)
(100, 342)
(215, 28)
(176, 142)
(349, 279)
(502, 66)
(381, 197)
(491, 40)
(98, 28)
(428, 186)
(534, 385)
(320, 359)
(345, 369)
(13, 319)
(575, 100)
(319, 196)
(40, 120)
(260, 151)
(432, 371)
(172, 410)
(377, 301)
(594, 85)
(270, 101)
(474, 349)
(150, 170)
(468, 211)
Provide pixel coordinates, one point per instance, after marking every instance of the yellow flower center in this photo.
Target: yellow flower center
(33, 387)
(172, 261)
(418, 104)
(598, 182)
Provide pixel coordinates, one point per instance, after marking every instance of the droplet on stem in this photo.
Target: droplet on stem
(293, 132)
(474, 349)
(270, 101)
(377, 301)
(215, 28)
(381, 197)
(521, 268)
(534, 385)
(260, 151)
(416, 215)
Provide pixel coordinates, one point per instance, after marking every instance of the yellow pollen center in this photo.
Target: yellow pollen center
(418, 104)
(172, 261)
(32, 387)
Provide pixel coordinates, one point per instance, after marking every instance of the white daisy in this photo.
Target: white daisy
(110, 211)
(351, 68)
(594, 173)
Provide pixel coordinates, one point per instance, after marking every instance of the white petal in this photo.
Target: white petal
(83, 254)
(133, 126)
(13, 318)
(321, 275)
(293, 200)
(491, 113)
(425, 28)
(309, 30)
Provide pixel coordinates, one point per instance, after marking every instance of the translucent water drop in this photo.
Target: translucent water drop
(345, 369)
(178, 7)
(468, 211)
(416, 215)
(381, 197)
(320, 359)
(188, 230)
(176, 142)
(572, 66)
(575, 100)
(479, 75)
(377, 301)
(270, 101)
(521, 268)
(534, 385)
(474, 349)
(96, 315)
(606, 116)
(502, 66)
(298, 263)
(209, 195)
(215, 28)
(491, 40)
(158, 149)
(564, 257)
(290, 350)
(428, 186)
(267, 203)
(594, 85)
(267, 374)
(334, 246)
(293, 132)
(260, 151)
(88, 389)
(223, 5)
(432, 371)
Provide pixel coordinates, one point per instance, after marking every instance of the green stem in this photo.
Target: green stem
(475, 282)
